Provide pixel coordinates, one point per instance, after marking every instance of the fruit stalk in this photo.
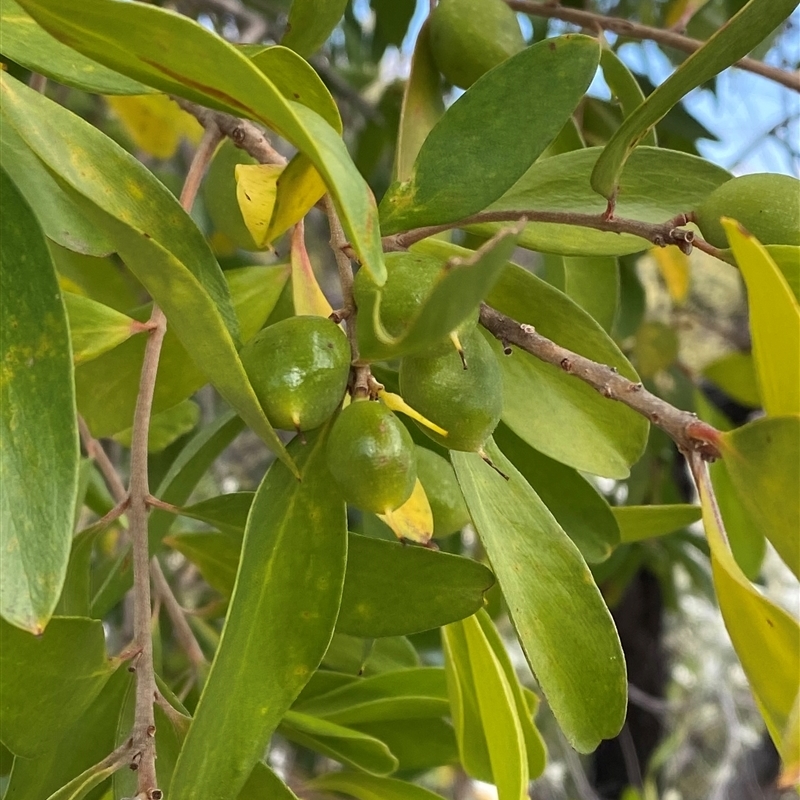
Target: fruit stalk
(689, 433)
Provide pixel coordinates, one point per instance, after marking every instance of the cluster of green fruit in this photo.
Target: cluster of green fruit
(300, 367)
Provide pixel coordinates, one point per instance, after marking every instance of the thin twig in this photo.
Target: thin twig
(139, 492)
(183, 633)
(660, 234)
(635, 30)
(97, 453)
(689, 433)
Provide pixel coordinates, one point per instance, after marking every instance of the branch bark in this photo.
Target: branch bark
(687, 431)
(634, 30)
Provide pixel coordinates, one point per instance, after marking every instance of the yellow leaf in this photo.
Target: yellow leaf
(155, 123)
(306, 294)
(790, 774)
(396, 403)
(256, 190)
(675, 270)
(299, 188)
(765, 637)
(774, 322)
(679, 12)
(414, 519)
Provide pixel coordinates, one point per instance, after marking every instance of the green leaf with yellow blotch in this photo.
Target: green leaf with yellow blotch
(296, 546)
(561, 620)
(39, 455)
(734, 40)
(766, 638)
(179, 56)
(774, 323)
(762, 459)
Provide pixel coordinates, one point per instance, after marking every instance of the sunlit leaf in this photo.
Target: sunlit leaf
(306, 293)
(95, 328)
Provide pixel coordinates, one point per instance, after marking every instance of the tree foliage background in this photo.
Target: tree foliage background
(608, 606)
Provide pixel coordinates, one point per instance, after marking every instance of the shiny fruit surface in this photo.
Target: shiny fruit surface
(766, 204)
(469, 37)
(371, 457)
(299, 369)
(444, 494)
(467, 403)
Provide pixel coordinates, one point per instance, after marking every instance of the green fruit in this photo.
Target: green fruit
(219, 195)
(444, 494)
(371, 457)
(467, 403)
(469, 37)
(766, 204)
(411, 277)
(299, 369)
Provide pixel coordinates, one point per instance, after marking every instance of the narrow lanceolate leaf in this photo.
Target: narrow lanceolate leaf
(179, 56)
(39, 455)
(371, 787)
(47, 682)
(552, 411)
(774, 323)
(762, 459)
(306, 292)
(95, 328)
(475, 153)
(288, 590)
(31, 46)
(765, 637)
(655, 185)
(152, 233)
(422, 106)
(562, 622)
(734, 40)
(311, 23)
(625, 88)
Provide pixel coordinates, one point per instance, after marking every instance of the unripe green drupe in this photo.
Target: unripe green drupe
(467, 403)
(766, 204)
(371, 457)
(299, 369)
(444, 494)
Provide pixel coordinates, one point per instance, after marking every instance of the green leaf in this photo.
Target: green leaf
(562, 622)
(228, 512)
(370, 787)
(95, 328)
(466, 278)
(414, 693)
(29, 45)
(179, 56)
(655, 185)
(39, 456)
(578, 508)
(422, 106)
(734, 40)
(418, 744)
(214, 553)
(166, 426)
(47, 682)
(311, 23)
(591, 281)
(85, 743)
(107, 387)
(765, 637)
(735, 374)
(288, 590)
(349, 654)
(348, 746)
(774, 323)
(646, 522)
(475, 153)
(625, 88)
(762, 459)
(552, 411)
(501, 725)
(62, 221)
(75, 600)
(142, 218)
(263, 783)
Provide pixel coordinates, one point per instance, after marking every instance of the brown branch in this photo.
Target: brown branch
(139, 493)
(660, 234)
(688, 432)
(97, 453)
(635, 30)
